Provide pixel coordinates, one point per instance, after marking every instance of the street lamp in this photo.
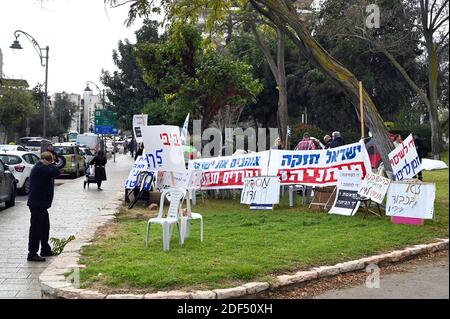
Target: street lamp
(43, 55)
(101, 92)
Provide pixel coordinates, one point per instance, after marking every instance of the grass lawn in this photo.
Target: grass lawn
(241, 245)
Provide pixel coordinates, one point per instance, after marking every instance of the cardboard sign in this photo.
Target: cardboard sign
(346, 202)
(163, 148)
(139, 120)
(411, 199)
(261, 192)
(404, 160)
(228, 172)
(140, 165)
(374, 187)
(318, 167)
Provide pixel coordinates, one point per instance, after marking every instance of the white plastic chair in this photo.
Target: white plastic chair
(176, 198)
(193, 183)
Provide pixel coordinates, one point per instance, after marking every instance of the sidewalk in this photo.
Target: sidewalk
(71, 210)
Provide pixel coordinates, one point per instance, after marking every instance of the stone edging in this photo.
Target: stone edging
(55, 285)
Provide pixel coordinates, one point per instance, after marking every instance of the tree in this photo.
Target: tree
(399, 37)
(127, 90)
(63, 111)
(16, 104)
(283, 14)
(193, 79)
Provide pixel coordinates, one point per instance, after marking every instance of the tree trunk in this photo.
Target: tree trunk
(282, 114)
(283, 17)
(433, 71)
(279, 72)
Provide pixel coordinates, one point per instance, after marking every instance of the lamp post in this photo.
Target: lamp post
(43, 55)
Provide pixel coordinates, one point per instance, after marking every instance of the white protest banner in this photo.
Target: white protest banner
(317, 167)
(184, 130)
(411, 199)
(140, 165)
(261, 192)
(163, 148)
(346, 202)
(227, 172)
(374, 187)
(139, 120)
(404, 160)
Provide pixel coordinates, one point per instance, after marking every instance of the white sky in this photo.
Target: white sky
(81, 35)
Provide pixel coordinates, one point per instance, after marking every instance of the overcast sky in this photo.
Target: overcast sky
(81, 35)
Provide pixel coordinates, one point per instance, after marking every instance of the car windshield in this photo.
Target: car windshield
(34, 143)
(64, 150)
(10, 159)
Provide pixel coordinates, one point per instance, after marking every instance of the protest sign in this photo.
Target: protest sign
(171, 179)
(374, 187)
(317, 167)
(139, 120)
(348, 183)
(411, 199)
(140, 165)
(227, 172)
(163, 148)
(404, 160)
(261, 192)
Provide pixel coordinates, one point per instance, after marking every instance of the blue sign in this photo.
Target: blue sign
(106, 130)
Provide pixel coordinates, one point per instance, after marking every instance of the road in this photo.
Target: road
(420, 280)
(71, 210)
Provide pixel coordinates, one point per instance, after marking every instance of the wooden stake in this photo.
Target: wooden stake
(361, 110)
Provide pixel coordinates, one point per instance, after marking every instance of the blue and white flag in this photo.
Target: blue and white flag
(184, 130)
(289, 131)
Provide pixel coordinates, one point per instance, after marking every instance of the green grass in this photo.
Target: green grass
(241, 245)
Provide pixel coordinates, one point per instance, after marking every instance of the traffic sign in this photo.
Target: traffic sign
(105, 122)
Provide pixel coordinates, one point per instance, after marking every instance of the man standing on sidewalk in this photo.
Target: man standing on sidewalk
(40, 199)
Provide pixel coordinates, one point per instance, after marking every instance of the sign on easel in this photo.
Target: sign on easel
(411, 199)
(374, 187)
(261, 192)
(346, 202)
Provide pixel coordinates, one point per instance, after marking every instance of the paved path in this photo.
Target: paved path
(71, 210)
(424, 280)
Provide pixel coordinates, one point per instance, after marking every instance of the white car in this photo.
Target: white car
(20, 164)
(8, 148)
(88, 155)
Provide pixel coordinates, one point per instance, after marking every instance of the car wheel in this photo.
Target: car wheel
(26, 187)
(12, 200)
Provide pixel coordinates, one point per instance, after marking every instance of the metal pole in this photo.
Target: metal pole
(46, 93)
(114, 147)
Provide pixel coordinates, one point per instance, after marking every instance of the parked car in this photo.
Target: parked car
(9, 147)
(69, 161)
(7, 186)
(88, 155)
(23, 140)
(20, 164)
(38, 146)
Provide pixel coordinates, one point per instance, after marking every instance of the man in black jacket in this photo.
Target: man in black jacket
(40, 199)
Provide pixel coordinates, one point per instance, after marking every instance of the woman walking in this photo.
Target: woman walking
(99, 161)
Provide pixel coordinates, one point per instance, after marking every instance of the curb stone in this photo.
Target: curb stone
(54, 284)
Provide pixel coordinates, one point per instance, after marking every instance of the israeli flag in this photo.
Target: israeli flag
(289, 131)
(184, 130)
